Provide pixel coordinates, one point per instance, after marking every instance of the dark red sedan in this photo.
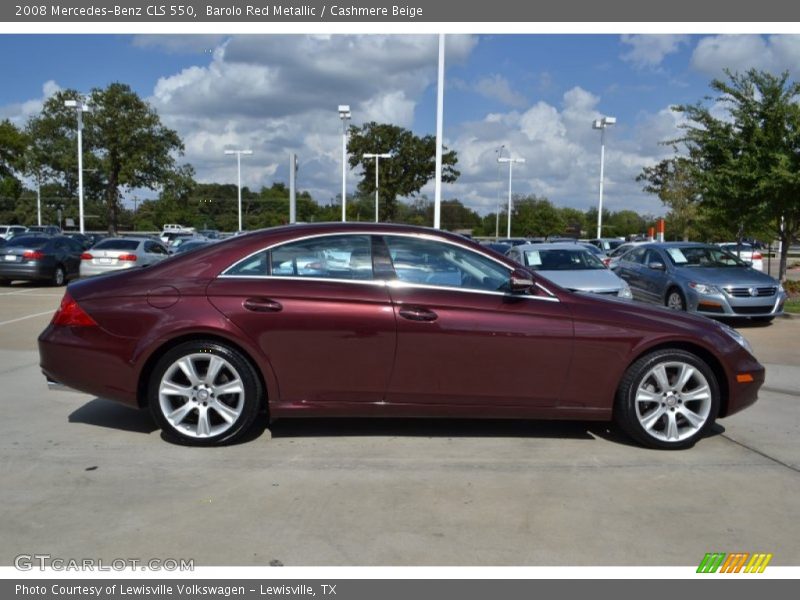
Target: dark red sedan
(364, 320)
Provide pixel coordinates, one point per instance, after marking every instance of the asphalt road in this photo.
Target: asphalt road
(82, 477)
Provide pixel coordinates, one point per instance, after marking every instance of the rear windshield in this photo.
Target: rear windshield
(28, 241)
(117, 245)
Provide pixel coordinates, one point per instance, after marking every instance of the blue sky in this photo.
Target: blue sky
(537, 94)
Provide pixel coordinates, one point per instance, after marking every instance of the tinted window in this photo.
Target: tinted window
(334, 257)
(113, 244)
(28, 241)
(429, 262)
(154, 248)
(636, 255)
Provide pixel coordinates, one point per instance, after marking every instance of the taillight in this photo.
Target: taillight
(32, 254)
(70, 314)
(86, 256)
(757, 256)
(130, 257)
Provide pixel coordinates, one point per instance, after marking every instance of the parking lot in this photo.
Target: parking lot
(83, 477)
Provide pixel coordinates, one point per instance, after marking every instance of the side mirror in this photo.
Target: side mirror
(520, 282)
(657, 266)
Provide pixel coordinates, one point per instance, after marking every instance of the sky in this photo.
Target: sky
(535, 96)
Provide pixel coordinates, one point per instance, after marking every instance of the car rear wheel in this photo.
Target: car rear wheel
(675, 300)
(204, 393)
(59, 276)
(667, 399)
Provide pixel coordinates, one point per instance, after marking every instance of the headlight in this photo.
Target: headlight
(703, 288)
(737, 337)
(625, 292)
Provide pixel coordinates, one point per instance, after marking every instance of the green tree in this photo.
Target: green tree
(412, 164)
(747, 165)
(12, 147)
(125, 143)
(672, 180)
(533, 216)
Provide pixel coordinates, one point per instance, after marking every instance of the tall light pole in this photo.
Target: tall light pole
(602, 124)
(377, 158)
(510, 161)
(344, 115)
(238, 154)
(80, 107)
(437, 189)
(499, 153)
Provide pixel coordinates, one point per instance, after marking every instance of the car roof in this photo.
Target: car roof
(554, 246)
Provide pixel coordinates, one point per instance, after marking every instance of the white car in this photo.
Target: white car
(745, 252)
(9, 231)
(572, 267)
(114, 254)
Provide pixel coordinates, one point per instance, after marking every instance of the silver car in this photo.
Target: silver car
(700, 278)
(571, 266)
(113, 254)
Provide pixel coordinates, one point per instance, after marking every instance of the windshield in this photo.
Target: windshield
(562, 260)
(702, 257)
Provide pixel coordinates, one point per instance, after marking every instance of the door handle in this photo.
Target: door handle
(262, 305)
(417, 313)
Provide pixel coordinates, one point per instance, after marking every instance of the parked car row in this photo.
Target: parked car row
(702, 278)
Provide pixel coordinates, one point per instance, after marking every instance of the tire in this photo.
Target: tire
(59, 276)
(186, 402)
(675, 300)
(659, 411)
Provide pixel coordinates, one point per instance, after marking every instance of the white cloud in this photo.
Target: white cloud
(278, 94)
(647, 51)
(497, 87)
(562, 155)
(20, 113)
(774, 53)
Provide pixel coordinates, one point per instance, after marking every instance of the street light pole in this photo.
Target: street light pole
(238, 154)
(602, 124)
(437, 189)
(499, 153)
(344, 115)
(80, 106)
(510, 162)
(377, 158)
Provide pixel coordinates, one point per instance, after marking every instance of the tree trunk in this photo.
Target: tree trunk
(112, 206)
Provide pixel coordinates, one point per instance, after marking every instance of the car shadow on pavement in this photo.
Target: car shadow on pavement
(104, 413)
(434, 427)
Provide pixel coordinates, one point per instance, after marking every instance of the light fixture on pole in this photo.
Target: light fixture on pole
(344, 115)
(602, 124)
(80, 107)
(377, 158)
(510, 161)
(238, 154)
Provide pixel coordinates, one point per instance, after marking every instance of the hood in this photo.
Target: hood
(586, 280)
(726, 276)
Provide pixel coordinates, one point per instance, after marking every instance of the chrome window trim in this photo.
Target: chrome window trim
(384, 282)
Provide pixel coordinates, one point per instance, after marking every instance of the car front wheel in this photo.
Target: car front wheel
(675, 300)
(667, 399)
(204, 393)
